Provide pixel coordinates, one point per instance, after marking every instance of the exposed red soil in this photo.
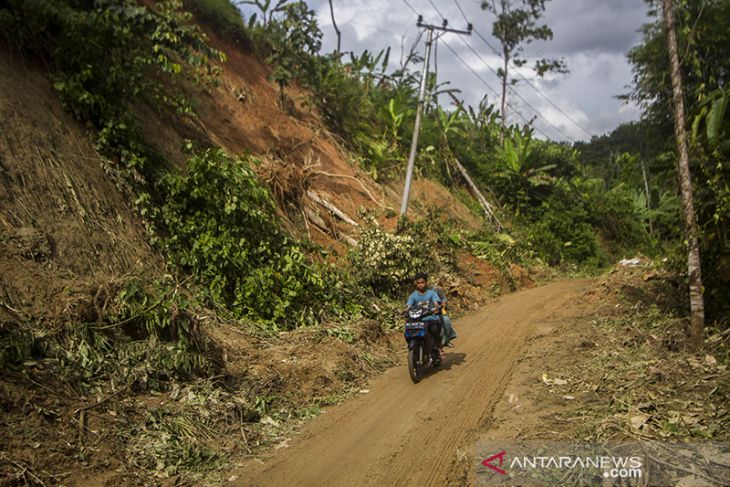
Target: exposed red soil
(70, 235)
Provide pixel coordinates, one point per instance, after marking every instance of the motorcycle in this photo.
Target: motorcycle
(423, 338)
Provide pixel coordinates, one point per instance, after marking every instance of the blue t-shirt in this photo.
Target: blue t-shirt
(429, 296)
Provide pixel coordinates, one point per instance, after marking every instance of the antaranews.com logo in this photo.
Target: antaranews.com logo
(564, 463)
(612, 466)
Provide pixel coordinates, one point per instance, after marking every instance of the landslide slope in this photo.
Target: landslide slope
(67, 228)
(71, 237)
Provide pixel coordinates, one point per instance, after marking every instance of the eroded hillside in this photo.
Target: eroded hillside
(67, 229)
(117, 371)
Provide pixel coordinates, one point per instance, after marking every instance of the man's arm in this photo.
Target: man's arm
(436, 300)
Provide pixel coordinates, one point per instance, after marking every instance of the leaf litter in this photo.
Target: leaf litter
(620, 372)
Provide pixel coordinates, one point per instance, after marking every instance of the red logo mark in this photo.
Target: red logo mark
(488, 462)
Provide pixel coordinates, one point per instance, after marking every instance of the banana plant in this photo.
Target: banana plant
(267, 11)
(514, 154)
(449, 122)
(485, 122)
(713, 113)
(369, 63)
(395, 121)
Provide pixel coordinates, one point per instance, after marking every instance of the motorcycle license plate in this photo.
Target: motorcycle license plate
(416, 326)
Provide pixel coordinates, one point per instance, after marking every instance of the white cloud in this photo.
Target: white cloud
(592, 35)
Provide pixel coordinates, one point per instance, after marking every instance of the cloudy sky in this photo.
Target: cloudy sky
(593, 36)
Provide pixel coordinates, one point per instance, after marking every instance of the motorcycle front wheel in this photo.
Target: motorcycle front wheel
(417, 362)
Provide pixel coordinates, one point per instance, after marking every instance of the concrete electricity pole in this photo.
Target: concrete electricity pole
(421, 96)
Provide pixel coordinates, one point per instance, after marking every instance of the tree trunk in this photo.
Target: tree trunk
(648, 194)
(334, 24)
(697, 307)
(504, 95)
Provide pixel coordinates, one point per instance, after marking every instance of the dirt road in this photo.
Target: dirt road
(405, 434)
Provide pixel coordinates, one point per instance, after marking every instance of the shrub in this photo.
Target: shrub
(387, 262)
(220, 224)
(223, 16)
(560, 231)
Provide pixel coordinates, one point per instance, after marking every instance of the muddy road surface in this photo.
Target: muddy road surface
(401, 433)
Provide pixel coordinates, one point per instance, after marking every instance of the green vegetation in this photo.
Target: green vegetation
(144, 338)
(222, 16)
(386, 262)
(583, 206)
(575, 207)
(221, 226)
(539, 182)
(641, 156)
(231, 241)
(516, 24)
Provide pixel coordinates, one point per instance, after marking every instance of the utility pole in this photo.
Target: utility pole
(421, 96)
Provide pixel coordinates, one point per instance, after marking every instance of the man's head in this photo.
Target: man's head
(421, 281)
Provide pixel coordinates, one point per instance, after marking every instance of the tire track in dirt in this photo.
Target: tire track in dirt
(413, 434)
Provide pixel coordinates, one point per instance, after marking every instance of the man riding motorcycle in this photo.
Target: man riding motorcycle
(423, 294)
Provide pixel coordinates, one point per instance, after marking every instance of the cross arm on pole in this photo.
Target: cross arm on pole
(444, 27)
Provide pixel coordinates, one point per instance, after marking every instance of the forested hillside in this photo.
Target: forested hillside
(642, 156)
(200, 239)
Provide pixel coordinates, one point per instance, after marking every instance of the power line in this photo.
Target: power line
(525, 119)
(410, 7)
(437, 10)
(462, 11)
(529, 122)
(470, 68)
(539, 92)
(488, 43)
(537, 112)
(515, 92)
(365, 24)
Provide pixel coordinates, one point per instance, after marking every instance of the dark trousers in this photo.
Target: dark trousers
(434, 328)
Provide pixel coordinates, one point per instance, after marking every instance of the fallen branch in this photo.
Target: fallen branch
(14, 313)
(316, 220)
(25, 469)
(486, 206)
(100, 402)
(350, 241)
(332, 208)
(306, 225)
(683, 469)
(320, 225)
(323, 173)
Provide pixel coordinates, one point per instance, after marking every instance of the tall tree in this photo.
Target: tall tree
(703, 44)
(693, 260)
(516, 24)
(334, 24)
